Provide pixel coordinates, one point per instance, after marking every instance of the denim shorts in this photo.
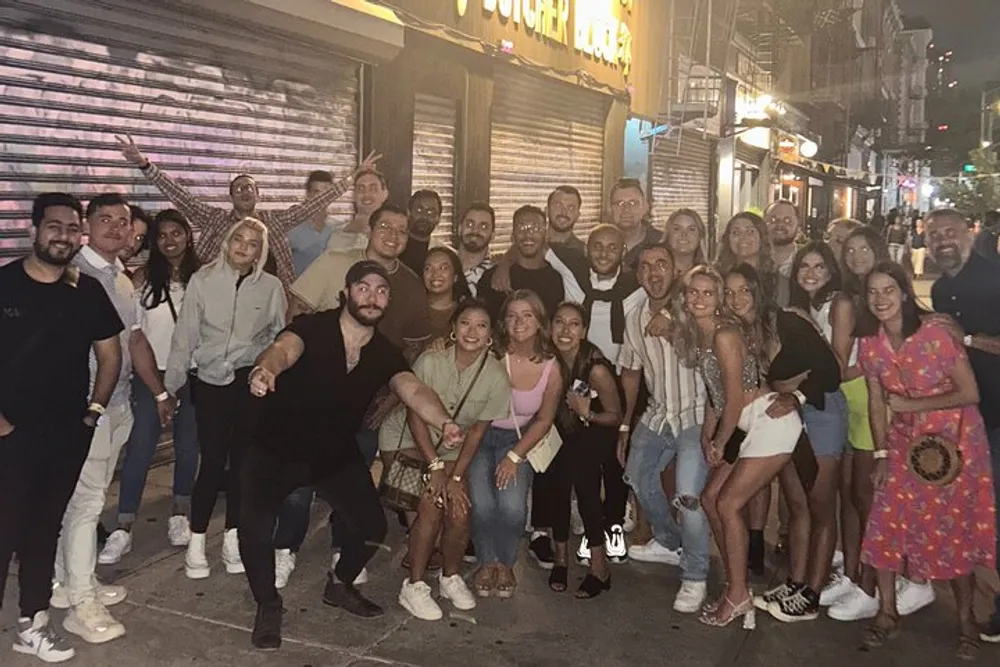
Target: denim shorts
(827, 429)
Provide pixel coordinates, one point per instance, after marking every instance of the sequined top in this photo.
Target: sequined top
(711, 373)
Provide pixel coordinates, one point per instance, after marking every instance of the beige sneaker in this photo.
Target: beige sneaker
(109, 595)
(91, 621)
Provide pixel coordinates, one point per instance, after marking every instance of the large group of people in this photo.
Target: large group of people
(564, 381)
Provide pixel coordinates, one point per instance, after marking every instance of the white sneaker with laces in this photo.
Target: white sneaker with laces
(119, 543)
(231, 552)
(836, 590)
(629, 521)
(654, 552)
(583, 552)
(178, 531)
(614, 545)
(455, 589)
(911, 597)
(38, 638)
(195, 561)
(416, 599)
(362, 577)
(284, 565)
(855, 606)
(108, 595)
(690, 597)
(91, 621)
(575, 520)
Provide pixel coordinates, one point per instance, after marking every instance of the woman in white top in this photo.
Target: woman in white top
(160, 286)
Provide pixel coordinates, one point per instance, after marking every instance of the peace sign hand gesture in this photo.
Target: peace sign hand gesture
(370, 163)
(131, 152)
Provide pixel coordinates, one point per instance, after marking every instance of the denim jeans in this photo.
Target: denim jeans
(293, 520)
(994, 438)
(650, 454)
(498, 516)
(141, 447)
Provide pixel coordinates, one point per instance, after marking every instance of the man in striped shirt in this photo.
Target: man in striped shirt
(212, 222)
(670, 427)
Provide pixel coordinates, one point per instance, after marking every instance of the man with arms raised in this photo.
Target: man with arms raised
(321, 373)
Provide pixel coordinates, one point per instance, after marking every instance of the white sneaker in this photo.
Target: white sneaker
(416, 599)
(614, 545)
(284, 565)
(92, 621)
(108, 595)
(629, 522)
(855, 606)
(195, 561)
(231, 552)
(911, 597)
(837, 563)
(690, 597)
(838, 588)
(583, 552)
(38, 638)
(454, 588)
(654, 552)
(362, 577)
(119, 543)
(178, 531)
(575, 520)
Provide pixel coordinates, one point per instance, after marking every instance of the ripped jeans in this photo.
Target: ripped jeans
(649, 455)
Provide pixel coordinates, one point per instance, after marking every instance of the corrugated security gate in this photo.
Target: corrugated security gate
(545, 134)
(434, 123)
(90, 70)
(682, 180)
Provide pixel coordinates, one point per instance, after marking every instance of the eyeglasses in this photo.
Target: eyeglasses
(529, 228)
(627, 204)
(388, 230)
(245, 187)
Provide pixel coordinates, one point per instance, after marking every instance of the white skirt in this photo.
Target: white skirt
(767, 436)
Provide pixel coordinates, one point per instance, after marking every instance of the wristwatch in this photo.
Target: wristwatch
(456, 478)
(624, 428)
(967, 341)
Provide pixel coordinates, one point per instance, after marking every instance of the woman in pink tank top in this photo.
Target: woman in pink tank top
(499, 476)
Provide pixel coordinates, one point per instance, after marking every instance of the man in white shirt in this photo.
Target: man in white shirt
(670, 427)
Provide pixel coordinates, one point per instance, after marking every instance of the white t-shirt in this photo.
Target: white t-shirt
(158, 323)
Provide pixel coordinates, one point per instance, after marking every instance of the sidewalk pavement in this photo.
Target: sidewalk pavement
(173, 621)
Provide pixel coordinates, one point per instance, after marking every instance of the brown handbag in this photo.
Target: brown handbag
(935, 460)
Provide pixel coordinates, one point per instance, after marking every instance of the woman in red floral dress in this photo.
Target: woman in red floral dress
(918, 371)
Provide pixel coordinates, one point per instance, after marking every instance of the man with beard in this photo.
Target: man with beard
(563, 209)
(782, 220)
(630, 214)
(51, 317)
(530, 270)
(425, 215)
(322, 372)
(969, 291)
(475, 231)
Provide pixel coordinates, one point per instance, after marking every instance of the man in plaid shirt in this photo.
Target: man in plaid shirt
(212, 221)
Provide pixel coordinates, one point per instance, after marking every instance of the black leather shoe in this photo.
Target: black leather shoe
(267, 625)
(347, 597)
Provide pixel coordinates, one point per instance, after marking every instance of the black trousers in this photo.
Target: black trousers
(224, 417)
(267, 480)
(39, 468)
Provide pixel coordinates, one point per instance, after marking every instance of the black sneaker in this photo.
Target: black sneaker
(470, 553)
(347, 597)
(991, 632)
(782, 590)
(802, 605)
(540, 549)
(267, 625)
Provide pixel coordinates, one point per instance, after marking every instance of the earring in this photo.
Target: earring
(489, 343)
(452, 337)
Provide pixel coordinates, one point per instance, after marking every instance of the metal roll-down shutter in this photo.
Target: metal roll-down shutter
(434, 125)
(684, 179)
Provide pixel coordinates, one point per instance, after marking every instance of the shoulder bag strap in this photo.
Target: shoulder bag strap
(513, 415)
(170, 304)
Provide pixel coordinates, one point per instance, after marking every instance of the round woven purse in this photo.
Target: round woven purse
(935, 460)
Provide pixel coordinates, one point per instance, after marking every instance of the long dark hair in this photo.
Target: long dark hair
(460, 288)
(158, 268)
(797, 296)
(726, 259)
(699, 252)
(912, 311)
(762, 334)
(855, 286)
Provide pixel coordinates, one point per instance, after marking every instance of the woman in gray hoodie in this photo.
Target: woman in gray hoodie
(232, 311)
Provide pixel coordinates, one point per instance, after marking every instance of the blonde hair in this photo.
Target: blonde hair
(688, 335)
(251, 223)
(543, 347)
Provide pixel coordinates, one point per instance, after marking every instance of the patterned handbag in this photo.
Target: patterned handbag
(935, 459)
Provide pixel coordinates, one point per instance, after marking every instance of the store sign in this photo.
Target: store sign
(597, 29)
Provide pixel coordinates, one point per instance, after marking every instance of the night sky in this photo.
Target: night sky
(969, 28)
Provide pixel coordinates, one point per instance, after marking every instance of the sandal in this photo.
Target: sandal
(876, 636)
(968, 648)
(591, 587)
(559, 578)
(485, 580)
(506, 583)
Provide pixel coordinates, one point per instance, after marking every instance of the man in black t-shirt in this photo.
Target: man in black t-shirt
(51, 316)
(321, 374)
(424, 217)
(526, 266)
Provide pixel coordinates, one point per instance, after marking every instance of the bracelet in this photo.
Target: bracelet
(436, 464)
(624, 428)
(96, 408)
(457, 479)
(162, 396)
(252, 371)
(515, 457)
(880, 454)
(800, 397)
